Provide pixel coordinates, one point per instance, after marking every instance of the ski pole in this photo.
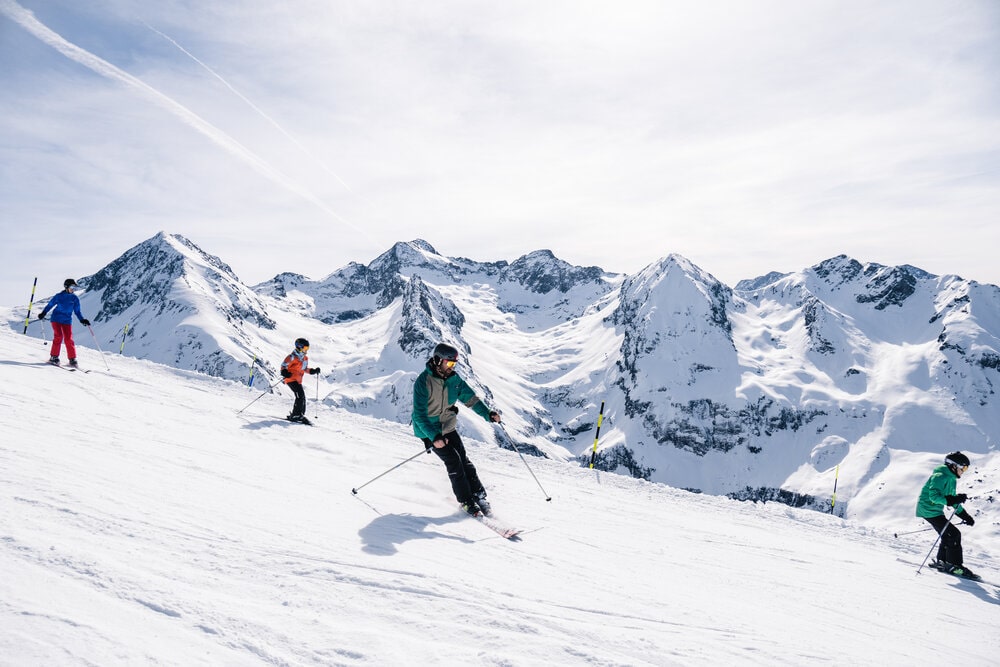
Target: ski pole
(99, 348)
(425, 451)
(31, 302)
(266, 391)
(922, 530)
(935, 542)
(548, 498)
(316, 404)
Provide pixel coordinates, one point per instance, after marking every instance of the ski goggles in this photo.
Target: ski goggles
(449, 363)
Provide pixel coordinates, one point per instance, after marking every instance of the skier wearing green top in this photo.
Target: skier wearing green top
(435, 392)
(939, 492)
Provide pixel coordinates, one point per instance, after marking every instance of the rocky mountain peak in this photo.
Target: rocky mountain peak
(542, 272)
(406, 255)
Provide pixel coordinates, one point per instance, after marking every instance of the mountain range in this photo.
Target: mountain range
(788, 386)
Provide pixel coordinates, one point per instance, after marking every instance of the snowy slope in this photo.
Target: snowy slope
(144, 522)
(844, 375)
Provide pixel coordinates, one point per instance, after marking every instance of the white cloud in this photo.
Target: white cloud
(746, 137)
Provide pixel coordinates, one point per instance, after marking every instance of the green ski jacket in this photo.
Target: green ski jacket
(433, 396)
(932, 502)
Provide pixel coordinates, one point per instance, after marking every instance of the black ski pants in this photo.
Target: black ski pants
(950, 547)
(464, 479)
(299, 408)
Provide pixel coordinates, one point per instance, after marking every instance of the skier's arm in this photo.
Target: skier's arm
(421, 420)
(939, 491)
(48, 306)
(470, 400)
(76, 309)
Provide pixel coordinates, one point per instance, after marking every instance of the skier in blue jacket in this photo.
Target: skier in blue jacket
(435, 392)
(63, 305)
(937, 493)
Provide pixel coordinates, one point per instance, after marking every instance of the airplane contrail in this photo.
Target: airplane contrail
(26, 19)
(253, 106)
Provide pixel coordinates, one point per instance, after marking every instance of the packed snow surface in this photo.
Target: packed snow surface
(145, 520)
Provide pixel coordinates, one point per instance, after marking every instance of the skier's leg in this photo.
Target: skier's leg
(475, 485)
(953, 545)
(68, 340)
(453, 463)
(299, 407)
(950, 543)
(57, 338)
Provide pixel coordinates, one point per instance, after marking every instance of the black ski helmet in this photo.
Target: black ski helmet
(301, 343)
(445, 351)
(956, 460)
(69, 282)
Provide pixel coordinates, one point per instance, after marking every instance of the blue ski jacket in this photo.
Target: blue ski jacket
(63, 305)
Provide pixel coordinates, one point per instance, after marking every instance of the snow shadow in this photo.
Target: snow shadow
(985, 592)
(385, 533)
(269, 422)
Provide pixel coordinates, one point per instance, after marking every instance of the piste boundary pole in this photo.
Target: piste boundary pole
(597, 434)
(31, 302)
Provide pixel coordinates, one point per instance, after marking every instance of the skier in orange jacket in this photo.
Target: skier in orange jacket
(293, 368)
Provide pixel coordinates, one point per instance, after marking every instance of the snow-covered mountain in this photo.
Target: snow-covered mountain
(183, 306)
(782, 387)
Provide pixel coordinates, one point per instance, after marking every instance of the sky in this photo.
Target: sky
(210, 531)
(303, 135)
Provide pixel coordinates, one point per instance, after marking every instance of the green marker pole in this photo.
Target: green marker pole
(121, 350)
(600, 418)
(252, 364)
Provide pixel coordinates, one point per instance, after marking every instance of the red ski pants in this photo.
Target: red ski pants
(62, 333)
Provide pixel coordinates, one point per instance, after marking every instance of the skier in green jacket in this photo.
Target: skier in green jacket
(938, 492)
(435, 392)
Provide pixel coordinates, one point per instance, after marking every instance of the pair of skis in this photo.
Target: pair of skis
(497, 526)
(67, 368)
(930, 566)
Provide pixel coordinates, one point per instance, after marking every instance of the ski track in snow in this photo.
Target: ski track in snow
(144, 522)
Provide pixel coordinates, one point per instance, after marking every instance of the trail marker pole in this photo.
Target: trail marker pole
(252, 365)
(836, 478)
(597, 434)
(31, 302)
(121, 350)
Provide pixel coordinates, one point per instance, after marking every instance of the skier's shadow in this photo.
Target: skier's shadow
(386, 532)
(985, 592)
(266, 423)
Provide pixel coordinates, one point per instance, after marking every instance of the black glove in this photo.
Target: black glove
(966, 518)
(957, 499)
(285, 373)
(453, 408)
(314, 371)
(85, 323)
(41, 316)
